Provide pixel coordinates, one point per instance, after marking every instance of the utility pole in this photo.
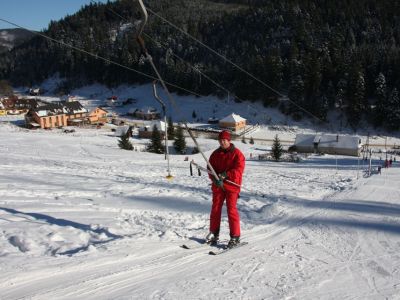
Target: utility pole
(370, 163)
(385, 146)
(367, 147)
(140, 40)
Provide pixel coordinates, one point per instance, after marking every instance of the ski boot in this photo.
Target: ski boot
(212, 239)
(233, 242)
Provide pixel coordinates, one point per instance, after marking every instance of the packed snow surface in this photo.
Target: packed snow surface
(82, 219)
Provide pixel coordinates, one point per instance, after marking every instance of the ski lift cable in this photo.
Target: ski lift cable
(98, 57)
(221, 56)
(177, 56)
(140, 40)
(234, 64)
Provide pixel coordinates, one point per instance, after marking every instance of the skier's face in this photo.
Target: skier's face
(224, 143)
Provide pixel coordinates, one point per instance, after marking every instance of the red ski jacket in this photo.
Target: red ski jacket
(232, 162)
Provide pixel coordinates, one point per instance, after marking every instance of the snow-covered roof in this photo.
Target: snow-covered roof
(69, 108)
(159, 124)
(97, 109)
(51, 109)
(304, 139)
(147, 110)
(328, 140)
(121, 130)
(74, 107)
(232, 118)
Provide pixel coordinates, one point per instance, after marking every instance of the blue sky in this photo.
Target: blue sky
(37, 14)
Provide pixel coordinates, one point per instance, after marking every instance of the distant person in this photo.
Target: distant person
(228, 162)
(379, 169)
(390, 162)
(386, 163)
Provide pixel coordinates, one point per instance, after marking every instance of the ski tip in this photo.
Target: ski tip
(184, 247)
(212, 253)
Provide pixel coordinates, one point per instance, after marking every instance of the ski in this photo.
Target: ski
(225, 249)
(197, 244)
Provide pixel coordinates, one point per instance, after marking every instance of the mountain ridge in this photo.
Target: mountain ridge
(10, 38)
(336, 56)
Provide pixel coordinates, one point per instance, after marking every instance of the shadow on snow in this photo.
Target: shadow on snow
(64, 223)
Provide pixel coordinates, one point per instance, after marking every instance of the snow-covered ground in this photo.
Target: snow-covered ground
(271, 121)
(82, 219)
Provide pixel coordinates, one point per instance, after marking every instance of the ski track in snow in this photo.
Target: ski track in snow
(82, 219)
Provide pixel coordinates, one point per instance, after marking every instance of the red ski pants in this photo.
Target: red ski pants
(219, 197)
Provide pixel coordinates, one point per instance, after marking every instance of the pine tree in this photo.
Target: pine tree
(355, 97)
(244, 140)
(194, 114)
(330, 95)
(296, 94)
(277, 149)
(340, 93)
(251, 141)
(170, 129)
(320, 107)
(124, 142)
(155, 143)
(312, 77)
(381, 99)
(5, 88)
(392, 120)
(180, 142)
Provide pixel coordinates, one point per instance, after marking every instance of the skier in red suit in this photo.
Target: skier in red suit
(228, 162)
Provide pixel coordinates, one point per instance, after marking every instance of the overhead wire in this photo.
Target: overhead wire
(140, 40)
(178, 57)
(166, 82)
(98, 56)
(234, 64)
(225, 59)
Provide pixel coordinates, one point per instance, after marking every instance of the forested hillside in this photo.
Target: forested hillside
(324, 55)
(9, 38)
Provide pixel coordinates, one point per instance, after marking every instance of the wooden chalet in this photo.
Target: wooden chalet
(232, 122)
(98, 115)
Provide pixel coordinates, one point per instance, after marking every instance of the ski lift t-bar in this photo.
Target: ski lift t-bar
(149, 58)
(165, 124)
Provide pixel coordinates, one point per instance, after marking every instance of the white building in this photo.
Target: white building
(328, 143)
(147, 130)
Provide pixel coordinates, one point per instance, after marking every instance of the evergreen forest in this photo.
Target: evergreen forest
(323, 55)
